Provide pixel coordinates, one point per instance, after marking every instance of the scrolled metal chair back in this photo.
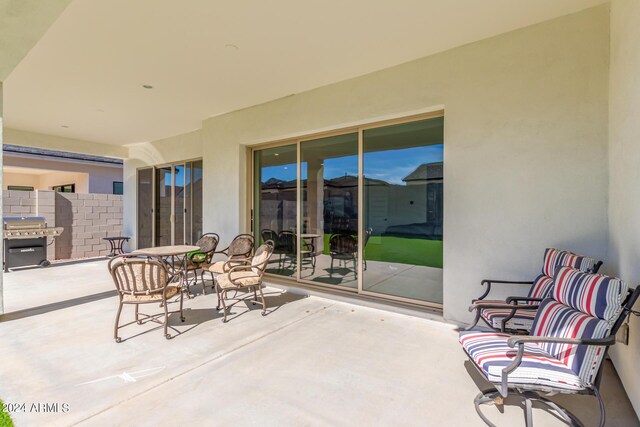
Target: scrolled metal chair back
(138, 275)
(241, 246)
(261, 258)
(208, 244)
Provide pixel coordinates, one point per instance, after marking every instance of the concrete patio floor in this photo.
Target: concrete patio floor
(311, 361)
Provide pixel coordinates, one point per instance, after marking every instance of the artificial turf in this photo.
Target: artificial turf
(401, 250)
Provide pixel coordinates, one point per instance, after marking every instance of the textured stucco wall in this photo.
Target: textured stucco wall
(624, 166)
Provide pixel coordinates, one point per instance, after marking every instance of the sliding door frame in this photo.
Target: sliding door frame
(310, 137)
(154, 169)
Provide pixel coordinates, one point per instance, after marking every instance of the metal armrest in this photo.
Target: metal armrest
(515, 300)
(482, 306)
(522, 340)
(489, 282)
(237, 262)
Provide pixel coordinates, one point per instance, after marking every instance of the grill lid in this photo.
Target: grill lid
(22, 222)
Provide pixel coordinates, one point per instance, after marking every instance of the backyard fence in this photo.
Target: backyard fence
(86, 219)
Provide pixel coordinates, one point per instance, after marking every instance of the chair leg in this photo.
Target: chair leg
(115, 329)
(138, 321)
(264, 304)
(331, 269)
(204, 285)
(603, 414)
(475, 320)
(166, 320)
(181, 304)
(528, 413)
(255, 296)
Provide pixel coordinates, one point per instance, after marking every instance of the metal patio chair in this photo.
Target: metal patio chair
(144, 280)
(240, 248)
(207, 243)
(564, 353)
(245, 276)
(516, 313)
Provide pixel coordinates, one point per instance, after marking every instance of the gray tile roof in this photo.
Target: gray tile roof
(58, 154)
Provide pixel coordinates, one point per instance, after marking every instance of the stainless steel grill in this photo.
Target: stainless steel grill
(25, 241)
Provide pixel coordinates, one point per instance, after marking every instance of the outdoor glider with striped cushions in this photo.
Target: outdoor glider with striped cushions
(583, 306)
(554, 258)
(491, 353)
(523, 319)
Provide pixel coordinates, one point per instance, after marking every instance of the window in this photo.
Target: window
(117, 187)
(67, 188)
(19, 188)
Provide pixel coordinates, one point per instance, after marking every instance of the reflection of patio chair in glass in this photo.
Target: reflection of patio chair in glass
(564, 353)
(240, 248)
(246, 275)
(144, 280)
(287, 244)
(279, 248)
(367, 234)
(343, 247)
(196, 260)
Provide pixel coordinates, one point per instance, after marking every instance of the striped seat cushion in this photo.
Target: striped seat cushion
(523, 319)
(490, 352)
(555, 319)
(554, 258)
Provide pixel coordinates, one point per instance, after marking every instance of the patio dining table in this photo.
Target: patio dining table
(177, 253)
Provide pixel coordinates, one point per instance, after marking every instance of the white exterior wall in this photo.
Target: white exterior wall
(88, 177)
(525, 146)
(624, 166)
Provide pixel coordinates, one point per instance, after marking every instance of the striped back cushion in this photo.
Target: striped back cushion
(593, 294)
(555, 319)
(541, 288)
(554, 258)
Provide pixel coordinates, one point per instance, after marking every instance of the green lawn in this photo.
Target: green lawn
(401, 250)
(5, 419)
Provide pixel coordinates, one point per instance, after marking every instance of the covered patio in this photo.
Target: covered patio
(287, 368)
(388, 156)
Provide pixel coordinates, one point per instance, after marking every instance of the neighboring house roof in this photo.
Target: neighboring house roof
(58, 154)
(426, 172)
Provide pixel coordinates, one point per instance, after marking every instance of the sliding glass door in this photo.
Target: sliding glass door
(403, 210)
(328, 240)
(360, 210)
(170, 204)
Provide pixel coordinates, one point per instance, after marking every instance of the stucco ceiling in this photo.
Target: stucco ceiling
(84, 78)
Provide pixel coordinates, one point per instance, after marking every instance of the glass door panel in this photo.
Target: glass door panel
(196, 201)
(329, 210)
(403, 210)
(274, 208)
(145, 208)
(179, 179)
(163, 206)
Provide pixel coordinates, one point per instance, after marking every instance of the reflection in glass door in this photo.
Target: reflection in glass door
(365, 213)
(403, 207)
(274, 211)
(328, 240)
(164, 198)
(170, 204)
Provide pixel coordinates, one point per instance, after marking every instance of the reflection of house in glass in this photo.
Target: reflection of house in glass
(411, 210)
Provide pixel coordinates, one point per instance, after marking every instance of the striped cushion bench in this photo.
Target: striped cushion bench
(490, 352)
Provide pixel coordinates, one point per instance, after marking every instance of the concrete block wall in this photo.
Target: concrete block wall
(86, 219)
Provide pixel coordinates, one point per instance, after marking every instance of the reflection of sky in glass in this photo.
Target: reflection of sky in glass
(388, 165)
(393, 165)
(284, 172)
